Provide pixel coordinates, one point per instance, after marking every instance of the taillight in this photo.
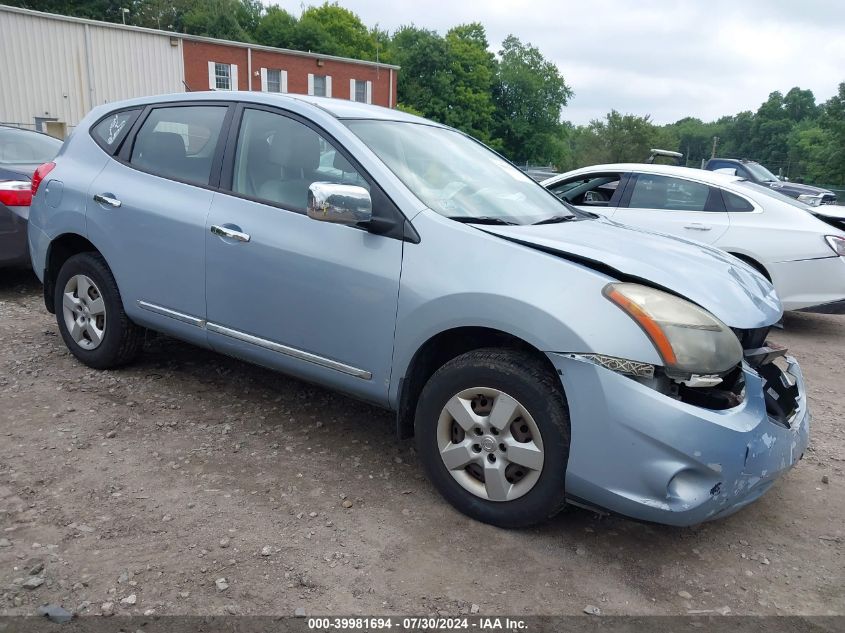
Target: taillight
(15, 193)
(39, 175)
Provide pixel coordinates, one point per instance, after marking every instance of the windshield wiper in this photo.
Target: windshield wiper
(556, 219)
(483, 219)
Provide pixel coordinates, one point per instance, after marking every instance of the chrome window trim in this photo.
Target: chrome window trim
(293, 352)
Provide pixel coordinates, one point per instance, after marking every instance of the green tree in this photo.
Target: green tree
(529, 95)
(333, 30)
(471, 70)
(424, 80)
(276, 28)
(620, 138)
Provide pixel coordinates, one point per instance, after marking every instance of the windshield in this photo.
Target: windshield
(21, 147)
(457, 177)
(760, 172)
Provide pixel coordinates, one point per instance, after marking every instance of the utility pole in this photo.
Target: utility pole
(715, 143)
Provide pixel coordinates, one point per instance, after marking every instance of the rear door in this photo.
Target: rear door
(147, 211)
(676, 206)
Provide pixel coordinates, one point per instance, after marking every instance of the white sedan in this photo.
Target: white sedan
(800, 249)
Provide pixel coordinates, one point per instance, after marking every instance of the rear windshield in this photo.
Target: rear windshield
(22, 147)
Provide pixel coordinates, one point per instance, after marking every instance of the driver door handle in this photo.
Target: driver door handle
(697, 226)
(223, 231)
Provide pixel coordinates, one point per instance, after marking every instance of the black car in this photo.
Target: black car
(21, 152)
(755, 172)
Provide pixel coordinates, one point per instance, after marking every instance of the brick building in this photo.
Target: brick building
(61, 67)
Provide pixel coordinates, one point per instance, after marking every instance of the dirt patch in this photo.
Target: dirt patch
(191, 483)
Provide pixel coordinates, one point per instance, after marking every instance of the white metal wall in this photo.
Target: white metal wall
(61, 69)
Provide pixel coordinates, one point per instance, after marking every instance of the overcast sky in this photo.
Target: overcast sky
(666, 58)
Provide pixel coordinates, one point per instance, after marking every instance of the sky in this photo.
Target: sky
(664, 58)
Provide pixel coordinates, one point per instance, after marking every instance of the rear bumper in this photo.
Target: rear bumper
(639, 453)
(806, 284)
(14, 250)
(834, 307)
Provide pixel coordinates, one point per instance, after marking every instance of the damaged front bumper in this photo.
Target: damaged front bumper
(638, 452)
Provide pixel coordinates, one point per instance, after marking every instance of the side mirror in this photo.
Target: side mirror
(340, 204)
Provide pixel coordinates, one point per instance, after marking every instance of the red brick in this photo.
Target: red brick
(198, 54)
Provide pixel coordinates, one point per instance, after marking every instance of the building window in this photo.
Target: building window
(320, 85)
(222, 76)
(274, 80)
(361, 91)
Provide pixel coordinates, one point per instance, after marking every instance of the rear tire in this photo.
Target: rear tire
(504, 465)
(90, 315)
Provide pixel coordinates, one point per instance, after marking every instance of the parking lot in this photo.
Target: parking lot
(192, 483)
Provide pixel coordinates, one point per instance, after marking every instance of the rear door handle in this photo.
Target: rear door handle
(106, 199)
(697, 226)
(232, 234)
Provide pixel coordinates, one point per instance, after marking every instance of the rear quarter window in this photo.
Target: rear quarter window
(735, 203)
(110, 131)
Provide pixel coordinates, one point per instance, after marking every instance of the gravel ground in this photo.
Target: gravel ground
(191, 483)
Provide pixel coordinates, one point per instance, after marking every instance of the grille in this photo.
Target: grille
(752, 339)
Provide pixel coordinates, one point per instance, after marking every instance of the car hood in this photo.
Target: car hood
(715, 280)
(796, 189)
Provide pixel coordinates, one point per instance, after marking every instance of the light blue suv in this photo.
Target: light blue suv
(540, 355)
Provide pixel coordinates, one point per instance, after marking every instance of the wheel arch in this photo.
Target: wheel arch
(62, 248)
(440, 349)
(748, 259)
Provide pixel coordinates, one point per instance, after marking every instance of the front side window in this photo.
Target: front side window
(594, 190)
(222, 76)
(113, 129)
(457, 176)
(668, 194)
(179, 142)
(277, 159)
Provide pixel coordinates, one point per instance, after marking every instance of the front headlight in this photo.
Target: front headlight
(836, 243)
(813, 199)
(689, 339)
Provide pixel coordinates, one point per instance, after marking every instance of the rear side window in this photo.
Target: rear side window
(110, 131)
(670, 194)
(734, 203)
(179, 142)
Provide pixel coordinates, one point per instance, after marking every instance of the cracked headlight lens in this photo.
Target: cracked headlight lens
(689, 339)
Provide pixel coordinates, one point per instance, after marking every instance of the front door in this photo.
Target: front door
(676, 206)
(310, 298)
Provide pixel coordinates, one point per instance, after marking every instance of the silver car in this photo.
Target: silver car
(540, 355)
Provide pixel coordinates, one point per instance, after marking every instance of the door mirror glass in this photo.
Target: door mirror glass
(340, 204)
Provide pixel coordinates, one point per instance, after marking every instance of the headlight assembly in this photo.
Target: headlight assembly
(837, 243)
(812, 199)
(690, 340)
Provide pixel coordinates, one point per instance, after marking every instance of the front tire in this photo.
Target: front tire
(90, 315)
(492, 430)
